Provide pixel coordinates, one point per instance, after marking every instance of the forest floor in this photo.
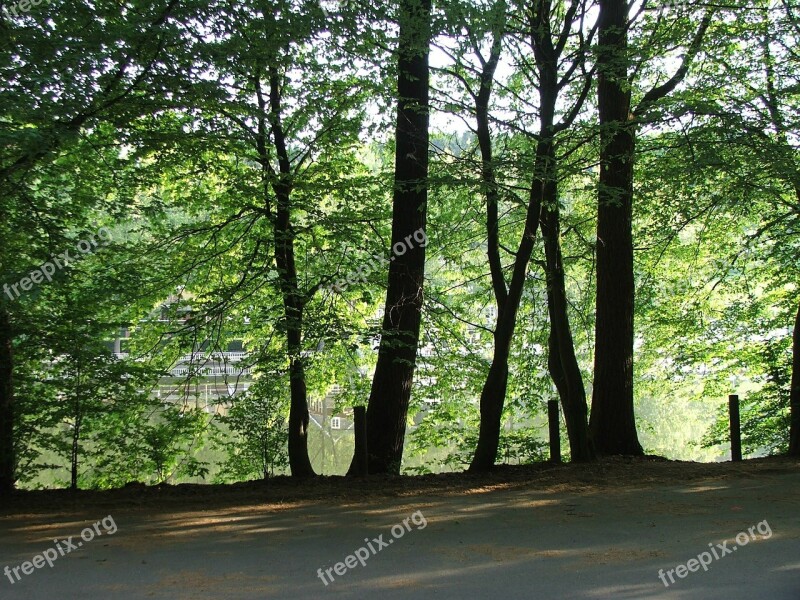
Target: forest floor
(612, 529)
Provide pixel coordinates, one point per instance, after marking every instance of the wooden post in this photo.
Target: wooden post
(555, 430)
(736, 434)
(360, 425)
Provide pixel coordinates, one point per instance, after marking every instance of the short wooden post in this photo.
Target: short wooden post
(360, 426)
(736, 433)
(555, 430)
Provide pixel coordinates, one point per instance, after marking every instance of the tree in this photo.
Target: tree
(37, 127)
(257, 441)
(754, 116)
(549, 33)
(562, 360)
(612, 421)
(79, 406)
(281, 138)
(794, 392)
(780, 91)
(8, 460)
(387, 407)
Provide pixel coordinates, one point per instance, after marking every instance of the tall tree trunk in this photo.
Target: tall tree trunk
(387, 410)
(293, 298)
(612, 420)
(562, 362)
(494, 388)
(794, 394)
(7, 457)
(772, 100)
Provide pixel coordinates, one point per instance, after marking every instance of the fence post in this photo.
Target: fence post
(736, 434)
(360, 425)
(555, 431)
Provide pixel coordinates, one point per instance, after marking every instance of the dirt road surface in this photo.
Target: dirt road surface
(593, 532)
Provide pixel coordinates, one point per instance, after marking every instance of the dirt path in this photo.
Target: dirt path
(570, 532)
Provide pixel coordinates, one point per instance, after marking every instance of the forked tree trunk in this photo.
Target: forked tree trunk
(390, 394)
(562, 362)
(7, 457)
(543, 192)
(493, 394)
(612, 422)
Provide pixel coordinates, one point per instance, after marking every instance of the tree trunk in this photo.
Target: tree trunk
(493, 396)
(299, 461)
(76, 448)
(387, 410)
(293, 299)
(612, 422)
(562, 362)
(488, 175)
(794, 394)
(7, 457)
(77, 408)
